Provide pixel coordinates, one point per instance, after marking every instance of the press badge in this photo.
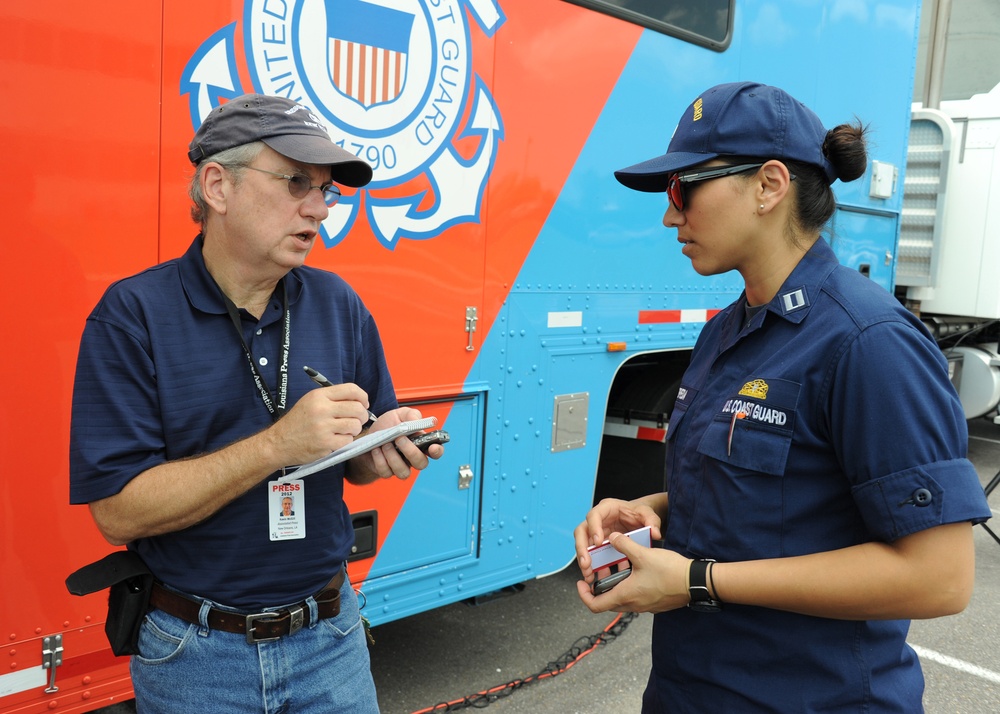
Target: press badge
(286, 504)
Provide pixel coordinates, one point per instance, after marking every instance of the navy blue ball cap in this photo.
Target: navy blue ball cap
(736, 119)
(290, 128)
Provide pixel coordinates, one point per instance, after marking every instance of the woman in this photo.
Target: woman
(818, 491)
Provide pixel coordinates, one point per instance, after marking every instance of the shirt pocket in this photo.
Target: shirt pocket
(753, 432)
(744, 451)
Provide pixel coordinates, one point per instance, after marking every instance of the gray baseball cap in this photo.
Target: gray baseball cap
(290, 128)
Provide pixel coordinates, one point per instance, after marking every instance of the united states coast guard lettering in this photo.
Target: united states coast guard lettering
(756, 412)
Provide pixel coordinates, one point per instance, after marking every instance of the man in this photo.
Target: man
(190, 402)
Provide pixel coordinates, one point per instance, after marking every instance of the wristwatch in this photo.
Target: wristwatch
(701, 598)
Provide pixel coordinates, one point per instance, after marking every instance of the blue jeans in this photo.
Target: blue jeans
(321, 669)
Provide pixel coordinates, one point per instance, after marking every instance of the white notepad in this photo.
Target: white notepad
(360, 446)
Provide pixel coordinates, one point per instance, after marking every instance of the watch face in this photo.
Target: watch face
(705, 605)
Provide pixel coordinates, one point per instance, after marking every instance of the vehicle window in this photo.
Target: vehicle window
(704, 22)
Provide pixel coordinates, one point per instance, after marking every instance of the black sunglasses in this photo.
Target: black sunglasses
(675, 184)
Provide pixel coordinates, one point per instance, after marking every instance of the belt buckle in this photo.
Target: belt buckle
(252, 620)
(297, 619)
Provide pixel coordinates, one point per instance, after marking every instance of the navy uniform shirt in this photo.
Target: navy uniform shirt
(162, 375)
(827, 421)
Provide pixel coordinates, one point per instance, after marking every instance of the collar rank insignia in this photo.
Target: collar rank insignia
(793, 300)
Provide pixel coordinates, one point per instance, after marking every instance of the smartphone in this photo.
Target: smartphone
(425, 439)
(602, 585)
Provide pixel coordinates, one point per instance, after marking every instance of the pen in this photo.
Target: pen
(324, 382)
(732, 426)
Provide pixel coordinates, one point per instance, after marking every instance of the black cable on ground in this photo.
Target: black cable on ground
(580, 649)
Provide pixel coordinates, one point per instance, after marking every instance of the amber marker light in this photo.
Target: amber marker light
(616, 346)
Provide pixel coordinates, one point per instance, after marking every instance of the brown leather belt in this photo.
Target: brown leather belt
(258, 627)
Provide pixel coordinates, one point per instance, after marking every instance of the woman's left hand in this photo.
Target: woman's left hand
(658, 583)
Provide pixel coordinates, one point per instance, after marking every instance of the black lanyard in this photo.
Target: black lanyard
(276, 408)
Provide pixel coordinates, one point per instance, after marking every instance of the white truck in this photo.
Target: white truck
(948, 257)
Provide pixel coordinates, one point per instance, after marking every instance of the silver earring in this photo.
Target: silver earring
(761, 207)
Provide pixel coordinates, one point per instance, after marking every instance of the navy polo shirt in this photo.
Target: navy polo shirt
(162, 375)
(827, 421)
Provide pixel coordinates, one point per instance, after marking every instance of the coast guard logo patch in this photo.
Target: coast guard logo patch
(393, 82)
(764, 401)
(756, 389)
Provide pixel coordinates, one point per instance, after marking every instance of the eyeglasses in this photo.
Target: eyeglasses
(299, 186)
(675, 184)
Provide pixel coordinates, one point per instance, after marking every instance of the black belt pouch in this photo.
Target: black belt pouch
(128, 600)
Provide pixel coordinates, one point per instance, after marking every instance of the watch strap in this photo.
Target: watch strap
(701, 597)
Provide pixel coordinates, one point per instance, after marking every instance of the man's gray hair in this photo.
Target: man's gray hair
(234, 160)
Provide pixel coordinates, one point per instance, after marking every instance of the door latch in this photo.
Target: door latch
(464, 476)
(52, 651)
(471, 316)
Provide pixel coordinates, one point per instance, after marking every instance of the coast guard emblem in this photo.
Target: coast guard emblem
(756, 389)
(392, 80)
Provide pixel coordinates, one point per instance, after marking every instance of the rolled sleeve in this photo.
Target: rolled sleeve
(921, 497)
